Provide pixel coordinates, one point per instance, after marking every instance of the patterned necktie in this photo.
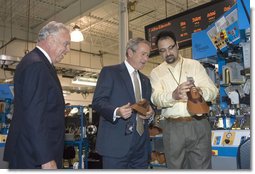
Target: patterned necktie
(139, 121)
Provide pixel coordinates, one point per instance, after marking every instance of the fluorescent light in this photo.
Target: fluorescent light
(66, 93)
(8, 80)
(76, 34)
(87, 81)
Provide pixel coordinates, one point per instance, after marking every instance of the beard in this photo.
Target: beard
(170, 59)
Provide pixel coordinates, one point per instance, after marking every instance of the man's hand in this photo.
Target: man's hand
(125, 111)
(149, 113)
(50, 165)
(180, 93)
(200, 91)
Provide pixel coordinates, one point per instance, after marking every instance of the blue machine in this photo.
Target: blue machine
(215, 42)
(222, 43)
(225, 145)
(6, 107)
(6, 91)
(202, 46)
(6, 98)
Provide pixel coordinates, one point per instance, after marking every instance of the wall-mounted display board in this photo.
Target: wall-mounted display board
(188, 22)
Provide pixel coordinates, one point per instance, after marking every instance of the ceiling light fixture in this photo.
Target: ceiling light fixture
(87, 81)
(76, 34)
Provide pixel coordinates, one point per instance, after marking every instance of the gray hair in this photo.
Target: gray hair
(52, 28)
(133, 44)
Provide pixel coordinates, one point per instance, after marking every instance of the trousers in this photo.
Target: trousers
(187, 145)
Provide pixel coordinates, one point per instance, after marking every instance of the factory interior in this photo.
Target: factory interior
(217, 33)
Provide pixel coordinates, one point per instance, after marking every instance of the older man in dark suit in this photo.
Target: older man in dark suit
(36, 135)
(121, 145)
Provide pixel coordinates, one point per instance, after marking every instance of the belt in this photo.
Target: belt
(186, 119)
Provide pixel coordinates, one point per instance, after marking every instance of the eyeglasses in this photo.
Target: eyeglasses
(164, 50)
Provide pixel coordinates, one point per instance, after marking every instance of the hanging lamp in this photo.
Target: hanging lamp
(76, 34)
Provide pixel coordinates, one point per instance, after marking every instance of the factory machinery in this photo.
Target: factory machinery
(224, 50)
(6, 112)
(225, 53)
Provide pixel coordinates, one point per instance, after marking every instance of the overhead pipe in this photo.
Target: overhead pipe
(100, 54)
(141, 15)
(4, 45)
(123, 29)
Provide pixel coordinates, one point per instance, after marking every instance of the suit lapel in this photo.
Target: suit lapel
(50, 67)
(127, 80)
(54, 73)
(143, 84)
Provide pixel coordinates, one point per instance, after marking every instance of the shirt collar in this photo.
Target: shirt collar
(45, 53)
(129, 67)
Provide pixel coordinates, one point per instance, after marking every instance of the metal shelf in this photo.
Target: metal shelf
(82, 142)
(157, 145)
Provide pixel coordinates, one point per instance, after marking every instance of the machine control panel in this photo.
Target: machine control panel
(226, 142)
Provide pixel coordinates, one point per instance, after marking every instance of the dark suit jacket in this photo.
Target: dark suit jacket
(36, 133)
(114, 89)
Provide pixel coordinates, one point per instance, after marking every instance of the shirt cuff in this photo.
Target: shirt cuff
(114, 114)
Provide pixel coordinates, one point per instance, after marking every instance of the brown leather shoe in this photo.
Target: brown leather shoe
(196, 103)
(141, 107)
(161, 158)
(154, 130)
(158, 157)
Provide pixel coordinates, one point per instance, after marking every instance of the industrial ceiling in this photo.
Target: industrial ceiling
(98, 20)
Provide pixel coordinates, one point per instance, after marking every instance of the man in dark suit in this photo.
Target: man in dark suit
(36, 134)
(118, 140)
